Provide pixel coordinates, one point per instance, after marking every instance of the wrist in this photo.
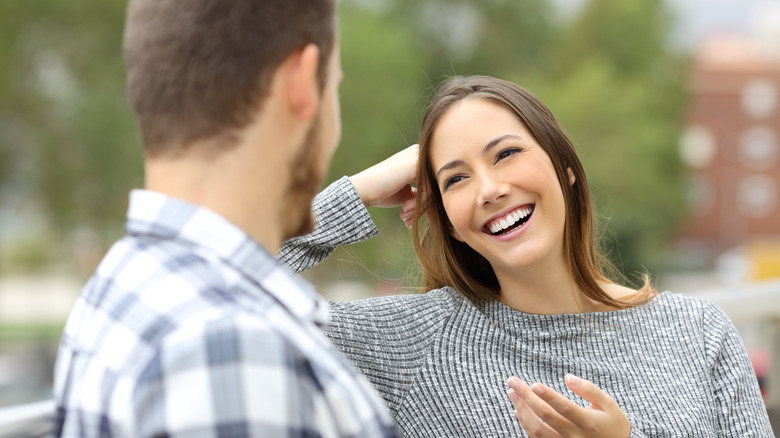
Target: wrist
(357, 183)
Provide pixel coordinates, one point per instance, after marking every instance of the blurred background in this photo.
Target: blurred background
(674, 107)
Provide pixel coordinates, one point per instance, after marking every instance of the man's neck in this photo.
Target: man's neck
(226, 184)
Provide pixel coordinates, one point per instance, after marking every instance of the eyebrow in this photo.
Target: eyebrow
(490, 145)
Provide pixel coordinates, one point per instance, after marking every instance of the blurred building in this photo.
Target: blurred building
(731, 146)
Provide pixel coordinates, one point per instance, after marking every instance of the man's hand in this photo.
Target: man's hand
(545, 413)
(389, 183)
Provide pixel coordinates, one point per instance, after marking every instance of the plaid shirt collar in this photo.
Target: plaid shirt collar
(156, 215)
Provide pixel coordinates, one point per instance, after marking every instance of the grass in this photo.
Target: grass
(35, 332)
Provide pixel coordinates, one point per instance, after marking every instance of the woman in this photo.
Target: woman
(517, 289)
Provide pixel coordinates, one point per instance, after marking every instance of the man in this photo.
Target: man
(189, 326)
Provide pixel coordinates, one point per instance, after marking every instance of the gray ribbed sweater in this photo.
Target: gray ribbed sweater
(676, 365)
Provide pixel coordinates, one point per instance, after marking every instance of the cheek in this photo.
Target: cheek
(458, 213)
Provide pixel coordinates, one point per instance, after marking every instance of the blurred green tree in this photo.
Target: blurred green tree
(384, 90)
(616, 86)
(495, 37)
(67, 134)
(62, 97)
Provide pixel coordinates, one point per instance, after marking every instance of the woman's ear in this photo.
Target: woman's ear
(572, 178)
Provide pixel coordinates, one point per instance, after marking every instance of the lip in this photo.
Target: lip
(512, 234)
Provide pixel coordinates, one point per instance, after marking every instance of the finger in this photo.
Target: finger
(407, 215)
(590, 392)
(409, 204)
(528, 420)
(566, 409)
(537, 416)
(534, 426)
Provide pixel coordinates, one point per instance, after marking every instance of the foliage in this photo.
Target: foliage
(67, 134)
(63, 99)
(618, 91)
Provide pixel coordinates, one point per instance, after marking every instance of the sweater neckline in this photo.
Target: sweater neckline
(508, 317)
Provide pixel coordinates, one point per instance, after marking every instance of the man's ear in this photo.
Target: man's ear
(572, 178)
(300, 83)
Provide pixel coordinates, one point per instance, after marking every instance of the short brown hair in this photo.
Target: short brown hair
(199, 69)
(448, 262)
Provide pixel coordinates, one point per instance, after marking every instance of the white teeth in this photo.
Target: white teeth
(510, 219)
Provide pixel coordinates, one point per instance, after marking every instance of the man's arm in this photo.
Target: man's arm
(231, 378)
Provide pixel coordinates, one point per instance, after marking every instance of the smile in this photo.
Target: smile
(509, 222)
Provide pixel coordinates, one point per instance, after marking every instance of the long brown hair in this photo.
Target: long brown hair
(446, 261)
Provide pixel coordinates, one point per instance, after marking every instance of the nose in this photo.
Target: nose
(491, 189)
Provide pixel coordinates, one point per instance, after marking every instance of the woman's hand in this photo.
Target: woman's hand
(389, 183)
(545, 413)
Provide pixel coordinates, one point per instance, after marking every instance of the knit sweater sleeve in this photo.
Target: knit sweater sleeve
(389, 338)
(341, 219)
(740, 409)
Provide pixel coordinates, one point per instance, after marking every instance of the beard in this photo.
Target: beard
(306, 176)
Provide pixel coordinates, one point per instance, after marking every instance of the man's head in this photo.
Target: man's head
(200, 69)
(207, 77)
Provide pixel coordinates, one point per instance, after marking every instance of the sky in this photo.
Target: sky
(700, 17)
(697, 18)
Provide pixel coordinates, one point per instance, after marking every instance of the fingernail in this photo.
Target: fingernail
(572, 380)
(512, 381)
(513, 397)
(537, 389)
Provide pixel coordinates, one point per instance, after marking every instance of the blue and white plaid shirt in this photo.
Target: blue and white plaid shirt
(190, 328)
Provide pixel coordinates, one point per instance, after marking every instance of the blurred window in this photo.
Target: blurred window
(757, 196)
(697, 146)
(759, 98)
(758, 148)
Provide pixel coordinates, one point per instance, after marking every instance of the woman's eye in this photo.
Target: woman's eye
(506, 153)
(452, 180)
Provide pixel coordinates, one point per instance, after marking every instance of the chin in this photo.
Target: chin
(304, 227)
(299, 219)
(307, 171)
(521, 261)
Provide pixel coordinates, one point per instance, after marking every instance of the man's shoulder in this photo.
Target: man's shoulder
(211, 342)
(163, 275)
(133, 262)
(142, 292)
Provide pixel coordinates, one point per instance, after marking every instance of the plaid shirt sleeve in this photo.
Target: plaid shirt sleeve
(235, 378)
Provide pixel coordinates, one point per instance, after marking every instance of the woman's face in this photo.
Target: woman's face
(499, 188)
